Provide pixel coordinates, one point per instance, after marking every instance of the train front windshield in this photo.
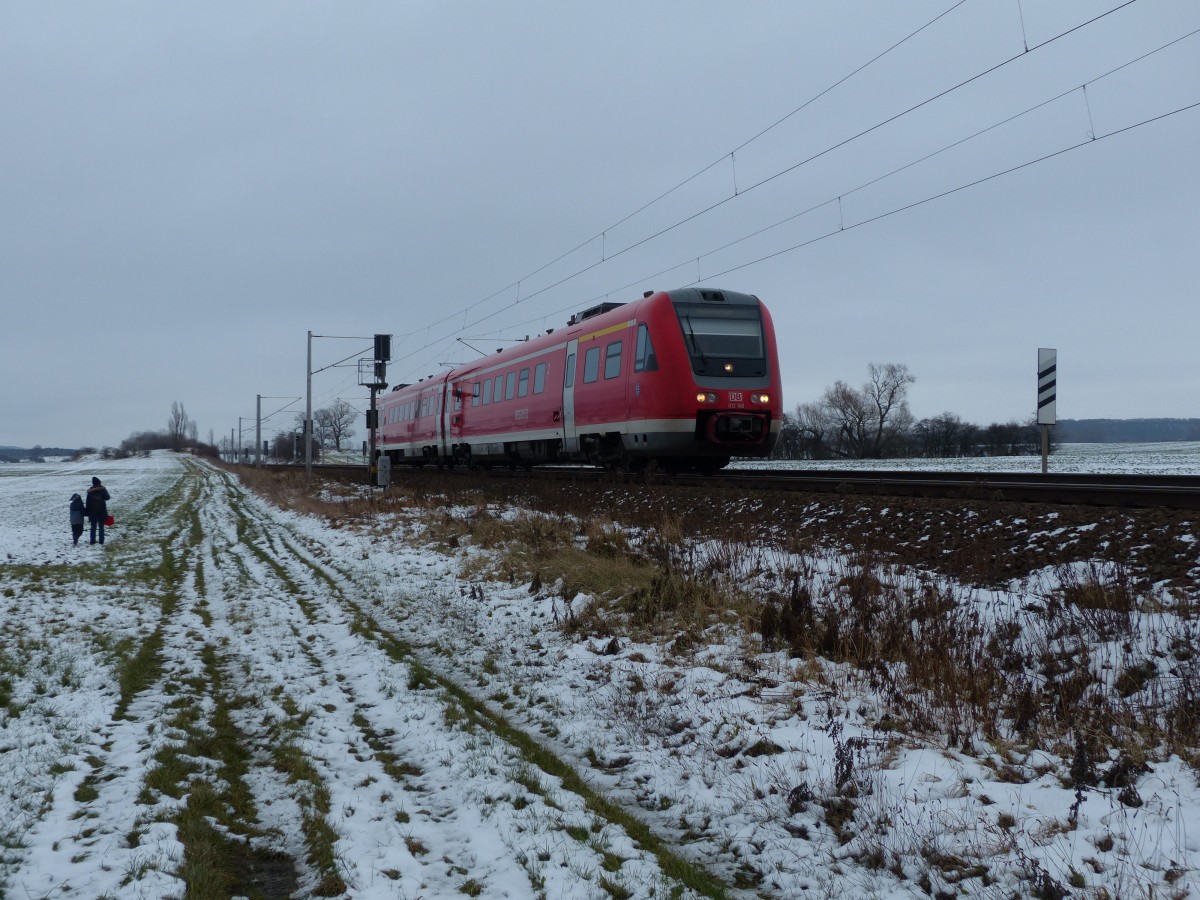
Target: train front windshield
(723, 340)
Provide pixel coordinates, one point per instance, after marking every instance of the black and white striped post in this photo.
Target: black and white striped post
(1046, 401)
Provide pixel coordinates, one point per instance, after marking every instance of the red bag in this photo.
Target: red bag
(109, 522)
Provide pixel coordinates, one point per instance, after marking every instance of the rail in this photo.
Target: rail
(1165, 491)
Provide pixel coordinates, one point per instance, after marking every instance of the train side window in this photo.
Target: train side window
(487, 392)
(475, 394)
(612, 360)
(523, 383)
(570, 377)
(510, 386)
(591, 365)
(457, 398)
(498, 393)
(539, 378)
(645, 360)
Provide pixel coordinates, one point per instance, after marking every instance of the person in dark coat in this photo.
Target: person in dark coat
(76, 518)
(97, 507)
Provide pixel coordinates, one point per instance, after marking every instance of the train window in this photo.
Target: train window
(539, 378)
(570, 377)
(424, 406)
(591, 365)
(498, 391)
(457, 398)
(645, 361)
(487, 392)
(510, 386)
(732, 332)
(523, 383)
(475, 394)
(612, 360)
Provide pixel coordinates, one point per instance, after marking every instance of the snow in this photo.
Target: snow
(321, 633)
(1165, 458)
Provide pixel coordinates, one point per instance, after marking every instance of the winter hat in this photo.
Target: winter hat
(95, 480)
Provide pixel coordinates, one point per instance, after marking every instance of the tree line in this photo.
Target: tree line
(331, 426)
(179, 435)
(875, 422)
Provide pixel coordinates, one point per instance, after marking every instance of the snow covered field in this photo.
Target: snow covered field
(331, 658)
(1169, 458)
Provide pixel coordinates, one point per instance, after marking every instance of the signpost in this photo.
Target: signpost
(1047, 394)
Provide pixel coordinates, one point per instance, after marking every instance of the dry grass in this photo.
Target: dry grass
(948, 663)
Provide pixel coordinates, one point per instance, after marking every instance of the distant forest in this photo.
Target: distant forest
(32, 454)
(1125, 431)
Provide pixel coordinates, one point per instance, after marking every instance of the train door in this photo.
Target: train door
(570, 438)
(443, 415)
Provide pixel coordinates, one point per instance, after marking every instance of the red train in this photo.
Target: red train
(679, 379)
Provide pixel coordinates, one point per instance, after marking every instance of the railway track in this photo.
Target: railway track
(1155, 491)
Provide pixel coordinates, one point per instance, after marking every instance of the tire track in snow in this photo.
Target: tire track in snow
(425, 793)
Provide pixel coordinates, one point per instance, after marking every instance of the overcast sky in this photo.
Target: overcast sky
(187, 189)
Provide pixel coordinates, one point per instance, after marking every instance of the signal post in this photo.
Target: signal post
(372, 373)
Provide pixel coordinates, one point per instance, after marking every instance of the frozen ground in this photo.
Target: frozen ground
(315, 635)
(1172, 458)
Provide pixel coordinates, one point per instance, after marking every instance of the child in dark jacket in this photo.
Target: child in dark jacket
(76, 517)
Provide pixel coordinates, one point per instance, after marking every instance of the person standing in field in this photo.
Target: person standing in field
(76, 518)
(97, 507)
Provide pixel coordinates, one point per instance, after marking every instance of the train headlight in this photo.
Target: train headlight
(760, 398)
(703, 397)
(729, 367)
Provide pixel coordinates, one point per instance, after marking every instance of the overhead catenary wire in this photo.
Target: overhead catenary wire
(601, 235)
(1092, 139)
(743, 191)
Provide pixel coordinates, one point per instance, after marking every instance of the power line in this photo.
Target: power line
(1092, 140)
(601, 234)
(608, 257)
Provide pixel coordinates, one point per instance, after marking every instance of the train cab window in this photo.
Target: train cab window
(510, 386)
(523, 383)
(723, 339)
(475, 394)
(570, 376)
(487, 392)
(591, 365)
(539, 378)
(612, 360)
(645, 361)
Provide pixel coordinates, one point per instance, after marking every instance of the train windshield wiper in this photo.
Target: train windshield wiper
(695, 343)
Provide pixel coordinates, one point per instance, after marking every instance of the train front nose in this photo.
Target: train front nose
(737, 428)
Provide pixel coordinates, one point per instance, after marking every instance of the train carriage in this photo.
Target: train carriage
(678, 379)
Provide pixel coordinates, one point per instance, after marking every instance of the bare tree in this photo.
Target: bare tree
(179, 427)
(849, 413)
(336, 422)
(886, 396)
(817, 429)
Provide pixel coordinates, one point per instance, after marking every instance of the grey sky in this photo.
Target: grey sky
(187, 189)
